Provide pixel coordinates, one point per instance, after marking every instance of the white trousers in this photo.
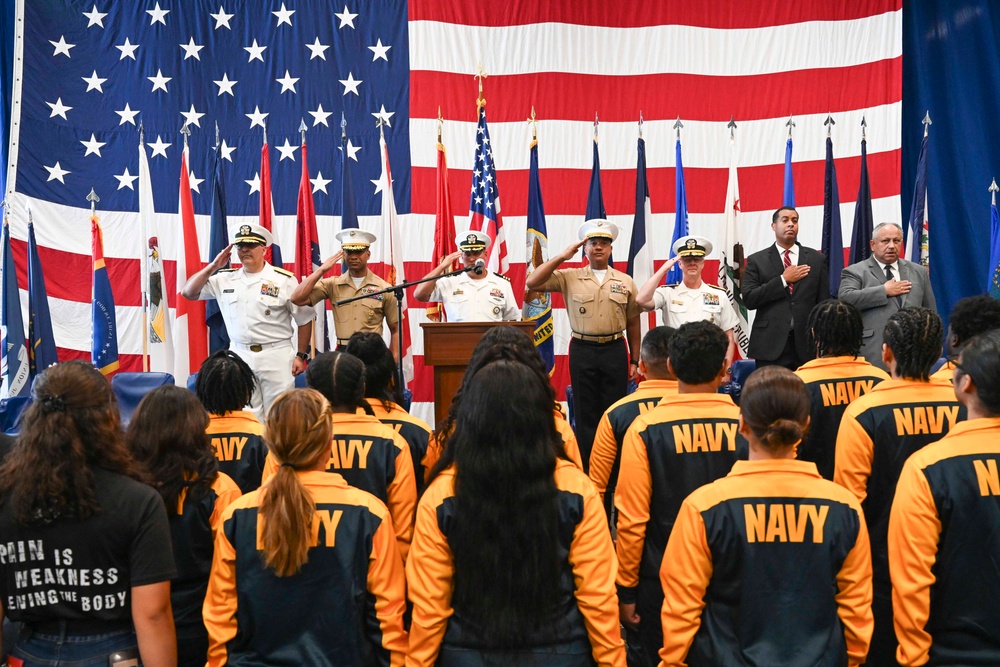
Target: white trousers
(273, 368)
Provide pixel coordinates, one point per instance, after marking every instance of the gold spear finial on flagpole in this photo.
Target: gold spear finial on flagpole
(481, 101)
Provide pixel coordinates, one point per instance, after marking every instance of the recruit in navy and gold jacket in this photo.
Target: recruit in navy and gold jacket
(878, 432)
(768, 566)
(686, 441)
(606, 455)
(944, 538)
(372, 457)
(238, 440)
(192, 534)
(832, 383)
(414, 430)
(570, 445)
(587, 627)
(344, 607)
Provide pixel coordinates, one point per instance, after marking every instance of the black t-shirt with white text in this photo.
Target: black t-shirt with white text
(72, 569)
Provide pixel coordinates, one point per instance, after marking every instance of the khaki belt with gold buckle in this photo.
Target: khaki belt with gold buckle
(598, 339)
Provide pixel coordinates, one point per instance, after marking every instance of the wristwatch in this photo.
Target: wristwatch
(634, 362)
(304, 356)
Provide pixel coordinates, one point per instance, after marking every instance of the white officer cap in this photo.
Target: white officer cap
(253, 234)
(472, 240)
(598, 228)
(354, 239)
(692, 246)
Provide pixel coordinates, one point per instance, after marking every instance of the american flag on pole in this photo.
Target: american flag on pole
(484, 202)
(403, 61)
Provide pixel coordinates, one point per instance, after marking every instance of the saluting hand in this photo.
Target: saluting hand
(332, 261)
(446, 263)
(570, 252)
(222, 259)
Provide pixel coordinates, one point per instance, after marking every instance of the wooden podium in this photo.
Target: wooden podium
(448, 347)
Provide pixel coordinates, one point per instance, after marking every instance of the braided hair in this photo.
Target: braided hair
(914, 335)
(225, 383)
(835, 329)
(340, 377)
(380, 367)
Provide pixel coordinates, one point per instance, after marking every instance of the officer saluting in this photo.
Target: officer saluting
(600, 303)
(473, 296)
(363, 314)
(255, 302)
(692, 300)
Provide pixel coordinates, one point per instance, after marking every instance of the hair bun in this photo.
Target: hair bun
(783, 432)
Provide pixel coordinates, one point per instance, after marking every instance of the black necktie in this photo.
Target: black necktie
(888, 272)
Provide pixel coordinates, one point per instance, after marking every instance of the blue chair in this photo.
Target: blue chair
(300, 381)
(11, 410)
(192, 381)
(407, 399)
(742, 368)
(129, 388)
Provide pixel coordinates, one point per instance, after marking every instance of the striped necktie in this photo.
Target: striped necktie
(788, 263)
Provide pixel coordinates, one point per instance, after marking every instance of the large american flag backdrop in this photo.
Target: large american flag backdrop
(87, 73)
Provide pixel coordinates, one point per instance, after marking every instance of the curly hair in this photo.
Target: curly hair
(340, 377)
(835, 329)
(225, 383)
(380, 367)
(914, 335)
(970, 317)
(71, 425)
(698, 351)
(167, 436)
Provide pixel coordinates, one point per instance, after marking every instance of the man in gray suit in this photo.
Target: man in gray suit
(881, 285)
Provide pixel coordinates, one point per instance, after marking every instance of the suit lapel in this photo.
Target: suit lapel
(776, 260)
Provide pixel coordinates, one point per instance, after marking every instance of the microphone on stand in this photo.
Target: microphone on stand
(479, 266)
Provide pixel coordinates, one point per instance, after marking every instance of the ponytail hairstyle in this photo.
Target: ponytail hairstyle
(71, 425)
(298, 433)
(775, 405)
(340, 378)
(505, 534)
(167, 437)
(380, 367)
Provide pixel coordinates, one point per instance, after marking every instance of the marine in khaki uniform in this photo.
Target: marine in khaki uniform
(693, 299)
(476, 295)
(363, 314)
(600, 303)
(260, 315)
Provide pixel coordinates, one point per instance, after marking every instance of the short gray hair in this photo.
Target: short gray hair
(886, 224)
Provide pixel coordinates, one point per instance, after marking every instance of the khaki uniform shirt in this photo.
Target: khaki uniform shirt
(361, 315)
(256, 306)
(595, 308)
(681, 304)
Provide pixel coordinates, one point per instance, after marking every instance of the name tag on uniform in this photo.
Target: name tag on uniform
(228, 291)
(709, 299)
(676, 302)
(496, 293)
(457, 292)
(618, 288)
(269, 289)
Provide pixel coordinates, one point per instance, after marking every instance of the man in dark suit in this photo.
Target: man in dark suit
(867, 286)
(782, 283)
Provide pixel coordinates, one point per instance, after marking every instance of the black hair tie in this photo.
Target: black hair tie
(53, 404)
(288, 465)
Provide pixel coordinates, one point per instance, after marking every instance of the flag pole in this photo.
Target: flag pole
(994, 188)
(313, 342)
(144, 254)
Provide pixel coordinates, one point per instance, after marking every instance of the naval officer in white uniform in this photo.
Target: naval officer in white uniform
(691, 300)
(470, 296)
(261, 319)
